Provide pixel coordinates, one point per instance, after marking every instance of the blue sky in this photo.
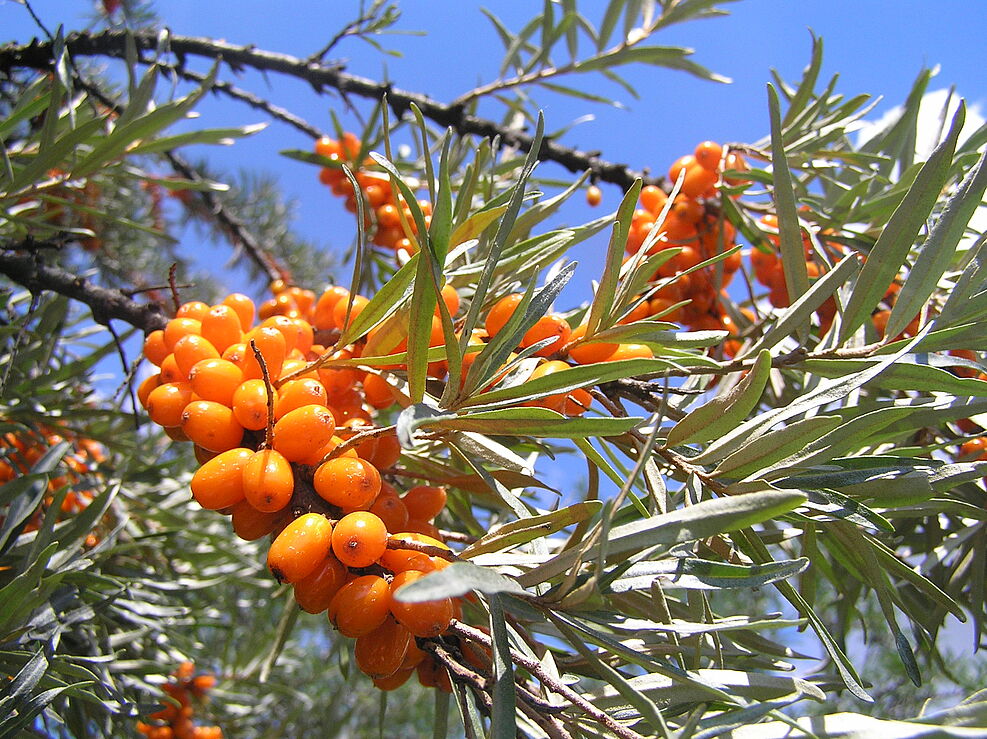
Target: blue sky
(876, 46)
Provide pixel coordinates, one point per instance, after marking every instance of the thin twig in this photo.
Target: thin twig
(535, 668)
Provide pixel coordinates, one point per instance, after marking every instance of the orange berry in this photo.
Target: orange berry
(381, 653)
(155, 348)
(386, 453)
(339, 311)
(573, 403)
(166, 402)
(653, 199)
(390, 509)
(708, 155)
(427, 619)
(697, 180)
(451, 298)
(221, 326)
(682, 163)
(359, 539)
(179, 327)
(296, 393)
(377, 391)
(300, 432)
(591, 353)
(219, 482)
(501, 313)
(191, 349)
(250, 404)
(550, 326)
(328, 147)
(300, 547)
(326, 304)
(315, 591)
(268, 481)
(395, 681)
(347, 482)
(397, 559)
(244, 308)
(433, 675)
(973, 448)
(144, 389)
(193, 309)
(360, 606)
(170, 372)
(250, 524)
(594, 196)
(216, 379)
(273, 348)
(211, 425)
(631, 351)
(425, 502)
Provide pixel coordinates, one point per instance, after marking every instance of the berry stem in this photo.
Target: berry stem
(269, 431)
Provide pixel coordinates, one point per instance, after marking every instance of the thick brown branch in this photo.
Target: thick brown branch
(38, 55)
(106, 304)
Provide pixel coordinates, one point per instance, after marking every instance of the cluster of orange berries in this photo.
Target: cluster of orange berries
(175, 720)
(694, 225)
(20, 451)
(387, 213)
(266, 436)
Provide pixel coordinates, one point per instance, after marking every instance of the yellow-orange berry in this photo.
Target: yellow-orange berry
(300, 432)
(166, 402)
(359, 539)
(296, 393)
(300, 547)
(250, 524)
(501, 313)
(216, 379)
(268, 481)
(315, 591)
(244, 308)
(219, 482)
(381, 653)
(250, 404)
(211, 425)
(360, 606)
(347, 482)
(427, 619)
(425, 501)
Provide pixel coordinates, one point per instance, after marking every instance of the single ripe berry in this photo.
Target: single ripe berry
(244, 308)
(315, 591)
(300, 432)
(216, 379)
(300, 547)
(359, 539)
(211, 425)
(390, 509)
(176, 328)
(708, 155)
(166, 402)
(501, 313)
(347, 482)
(381, 653)
(296, 393)
(425, 501)
(219, 482)
(360, 606)
(154, 347)
(250, 404)
(221, 327)
(250, 524)
(426, 619)
(268, 481)
(594, 196)
(591, 353)
(551, 326)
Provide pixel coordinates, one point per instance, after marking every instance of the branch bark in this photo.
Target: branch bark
(105, 304)
(38, 55)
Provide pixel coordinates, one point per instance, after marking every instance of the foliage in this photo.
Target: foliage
(801, 464)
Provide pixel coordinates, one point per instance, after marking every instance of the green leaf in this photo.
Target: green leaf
(512, 534)
(726, 411)
(700, 521)
(223, 136)
(761, 452)
(789, 232)
(938, 250)
(502, 721)
(601, 310)
(537, 422)
(671, 57)
(458, 579)
(702, 574)
(895, 241)
(475, 225)
(570, 379)
(381, 303)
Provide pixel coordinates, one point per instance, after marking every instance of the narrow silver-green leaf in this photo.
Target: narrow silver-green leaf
(458, 579)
